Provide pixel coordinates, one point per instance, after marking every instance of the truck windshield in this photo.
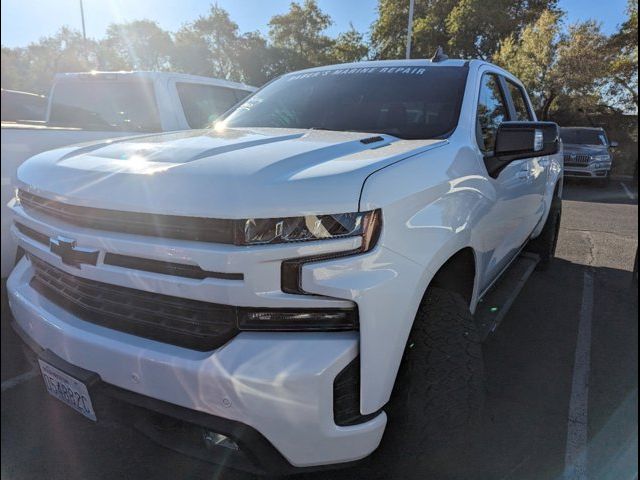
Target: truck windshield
(105, 105)
(410, 102)
(578, 136)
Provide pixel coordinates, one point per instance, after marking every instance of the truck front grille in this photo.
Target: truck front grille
(177, 321)
(576, 161)
(154, 225)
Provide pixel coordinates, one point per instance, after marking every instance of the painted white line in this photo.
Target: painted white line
(575, 460)
(627, 191)
(15, 381)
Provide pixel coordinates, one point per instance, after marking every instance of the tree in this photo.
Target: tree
(32, 68)
(349, 47)
(138, 45)
(466, 28)
(623, 87)
(191, 53)
(301, 31)
(212, 40)
(552, 63)
(13, 68)
(260, 62)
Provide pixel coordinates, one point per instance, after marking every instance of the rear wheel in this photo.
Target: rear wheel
(545, 244)
(440, 386)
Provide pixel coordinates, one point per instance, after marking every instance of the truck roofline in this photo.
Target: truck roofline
(155, 75)
(413, 62)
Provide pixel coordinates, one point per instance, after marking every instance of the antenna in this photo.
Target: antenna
(439, 56)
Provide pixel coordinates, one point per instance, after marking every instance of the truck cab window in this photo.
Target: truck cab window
(520, 104)
(105, 105)
(492, 111)
(202, 104)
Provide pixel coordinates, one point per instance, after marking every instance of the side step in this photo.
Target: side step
(498, 300)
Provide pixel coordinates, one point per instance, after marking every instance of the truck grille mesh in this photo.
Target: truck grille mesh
(177, 321)
(576, 161)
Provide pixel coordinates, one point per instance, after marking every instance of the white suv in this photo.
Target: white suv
(250, 292)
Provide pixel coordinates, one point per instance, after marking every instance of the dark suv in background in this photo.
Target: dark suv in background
(587, 153)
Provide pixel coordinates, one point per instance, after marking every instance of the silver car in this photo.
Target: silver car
(587, 153)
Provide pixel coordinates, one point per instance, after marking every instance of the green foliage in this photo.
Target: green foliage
(139, 45)
(349, 47)
(301, 31)
(623, 87)
(554, 64)
(466, 28)
(32, 68)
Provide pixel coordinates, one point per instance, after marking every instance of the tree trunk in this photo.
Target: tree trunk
(547, 106)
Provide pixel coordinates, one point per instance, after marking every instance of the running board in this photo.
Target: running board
(496, 303)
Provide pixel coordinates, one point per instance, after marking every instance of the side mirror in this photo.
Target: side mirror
(614, 144)
(518, 140)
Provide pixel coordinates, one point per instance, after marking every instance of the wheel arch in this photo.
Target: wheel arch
(457, 274)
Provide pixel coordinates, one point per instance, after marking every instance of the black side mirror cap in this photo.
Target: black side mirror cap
(518, 140)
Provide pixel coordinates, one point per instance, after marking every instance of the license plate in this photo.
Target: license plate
(67, 389)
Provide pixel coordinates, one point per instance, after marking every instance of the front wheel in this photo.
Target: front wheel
(440, 387)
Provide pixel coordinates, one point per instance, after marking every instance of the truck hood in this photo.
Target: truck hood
(234, 173)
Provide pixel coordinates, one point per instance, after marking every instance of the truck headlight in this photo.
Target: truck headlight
(261, 231)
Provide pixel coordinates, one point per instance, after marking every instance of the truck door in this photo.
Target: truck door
(516, 190)
(537, 169)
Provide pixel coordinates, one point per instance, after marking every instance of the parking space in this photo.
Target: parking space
(539, 411)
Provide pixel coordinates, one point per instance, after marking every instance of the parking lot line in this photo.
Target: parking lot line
(575, 463)
(15, 381)
(627, 191)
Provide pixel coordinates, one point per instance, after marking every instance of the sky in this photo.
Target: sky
(25, 21)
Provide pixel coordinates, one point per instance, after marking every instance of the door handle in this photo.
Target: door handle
(524, 174)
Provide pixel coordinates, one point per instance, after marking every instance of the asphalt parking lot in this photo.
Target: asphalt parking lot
(562, 372)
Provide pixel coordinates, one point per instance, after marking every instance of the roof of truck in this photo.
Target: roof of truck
(413, 62)
(155, 76)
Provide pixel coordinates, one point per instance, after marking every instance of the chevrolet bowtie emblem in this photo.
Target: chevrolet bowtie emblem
(70, 254)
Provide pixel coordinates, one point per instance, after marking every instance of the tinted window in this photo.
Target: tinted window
(578, 136)
(99, 105)
(408, 102)
(492, 111)
(519, 102)
(202, 104)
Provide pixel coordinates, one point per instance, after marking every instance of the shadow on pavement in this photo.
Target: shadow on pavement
(587, 191)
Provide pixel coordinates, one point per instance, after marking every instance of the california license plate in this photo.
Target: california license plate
(67, 389)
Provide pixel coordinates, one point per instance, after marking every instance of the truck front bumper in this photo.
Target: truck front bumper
(586, 172)
(277, 386)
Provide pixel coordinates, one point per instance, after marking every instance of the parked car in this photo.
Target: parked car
(264, 286)
(587, 153)
(23, 106)
(99, 105)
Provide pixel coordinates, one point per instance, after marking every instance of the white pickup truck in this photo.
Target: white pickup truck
(269, 294)
(91, 106)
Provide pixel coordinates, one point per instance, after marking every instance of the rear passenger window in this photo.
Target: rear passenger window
(492, 111)
(202, 104)
(519, 102)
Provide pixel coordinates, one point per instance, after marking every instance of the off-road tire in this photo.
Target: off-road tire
(545, 244)
(440, 387)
